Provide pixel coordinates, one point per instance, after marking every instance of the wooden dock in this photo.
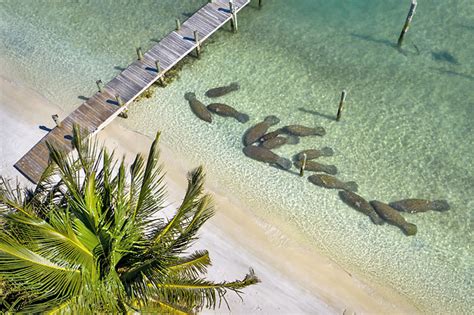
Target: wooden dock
(116, 95)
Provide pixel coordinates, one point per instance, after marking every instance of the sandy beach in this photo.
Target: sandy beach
(296, 279)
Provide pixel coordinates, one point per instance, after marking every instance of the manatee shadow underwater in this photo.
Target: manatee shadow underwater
(444, 56)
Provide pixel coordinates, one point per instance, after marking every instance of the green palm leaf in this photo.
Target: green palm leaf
(90, 238)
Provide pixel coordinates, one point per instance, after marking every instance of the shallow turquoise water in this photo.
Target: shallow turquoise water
(406, 132)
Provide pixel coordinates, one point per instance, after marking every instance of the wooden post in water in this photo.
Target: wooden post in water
(178, 24)
(158, 71)
(56, 120)
(99, 85)
(198, 47)
(119, 100)
(233, 21)
(341, 105)
(410, 15)
(303, 164)
(139, 53)
(259, 4)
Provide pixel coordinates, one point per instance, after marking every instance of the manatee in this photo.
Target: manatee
(197, 107)
(360, 204)
(314, 153)
(222, 90)
(267, 156)
(419, 205)
(302, 131)
(392, 216)
(271, 135)
(227, 111)
(257, 131)
(279, 141)
(317, 167)
(331, 182)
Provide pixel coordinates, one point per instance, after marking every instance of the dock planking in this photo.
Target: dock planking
(99, 110)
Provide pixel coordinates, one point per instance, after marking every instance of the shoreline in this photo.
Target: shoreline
(295, 278)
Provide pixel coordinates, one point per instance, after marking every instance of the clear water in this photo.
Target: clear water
(406, 132)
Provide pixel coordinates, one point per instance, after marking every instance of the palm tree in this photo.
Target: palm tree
(92, 237)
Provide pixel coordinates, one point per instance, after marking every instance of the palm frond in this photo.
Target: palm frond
(192, 265)
(201, 293)
(187, 209)
(36, 273)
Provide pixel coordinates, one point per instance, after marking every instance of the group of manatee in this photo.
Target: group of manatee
(258, 143)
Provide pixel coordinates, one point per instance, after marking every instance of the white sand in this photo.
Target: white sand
(295, 278)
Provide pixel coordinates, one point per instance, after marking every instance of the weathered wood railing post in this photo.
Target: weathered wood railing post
(119, 100)
(198, 44)
(233, 21)
(124, 112)
(259, 4)
(303, 164)
(178, 24)
(56, 120)
(139, 53)
(410, 15)
(99, 85)
(158, 72)
(341, 105)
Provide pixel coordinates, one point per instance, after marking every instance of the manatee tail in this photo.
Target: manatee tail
(293, 140)
(243, 118)
(284, 163)
(440, 205)
(234, 86)
(409, 229)
(352, 186)
(189, 96)
(332, 169)
(327, 151)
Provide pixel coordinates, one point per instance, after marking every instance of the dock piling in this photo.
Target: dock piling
(139, 53)
(99, 85)
(56, 120)
(124, 114)
(158, 72)
(178, 24)
(233, 21)
(119, 100)
(198, 47)
(259, 4)
(410, 15)
(303, 165)
(341, 105)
